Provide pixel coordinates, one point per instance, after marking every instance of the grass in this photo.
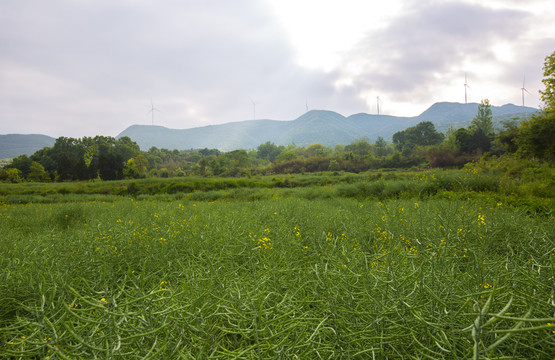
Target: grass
(293, 272)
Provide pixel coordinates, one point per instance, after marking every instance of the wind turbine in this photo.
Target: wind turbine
(465, 86)
(306, 104)
(152, 110)
(524, 89)
(253, 110)
(378, 102)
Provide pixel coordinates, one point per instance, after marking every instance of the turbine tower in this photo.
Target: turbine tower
(253, 110)
(465, 86)
(152, 110)
(378, 102)
(523, 89)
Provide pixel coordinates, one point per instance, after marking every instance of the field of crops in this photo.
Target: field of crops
(320, 277)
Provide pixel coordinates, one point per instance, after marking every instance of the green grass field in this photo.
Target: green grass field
(309, 273)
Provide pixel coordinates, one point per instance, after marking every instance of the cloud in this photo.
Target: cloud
(77, 68)
(428, 45)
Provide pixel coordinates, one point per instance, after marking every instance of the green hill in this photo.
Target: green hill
(317, 126)
(13, 145)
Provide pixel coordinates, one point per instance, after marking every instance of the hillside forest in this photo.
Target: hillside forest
(420, 146)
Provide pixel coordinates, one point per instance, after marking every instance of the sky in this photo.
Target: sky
(95, 67)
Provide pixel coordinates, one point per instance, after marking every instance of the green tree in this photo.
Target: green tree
(483, 119)
(380, 147)
(127, 148)
(287, 155)
(235, 161)
(268, 151)
(316, 150)
(45, 157)
(505, 141)
(23, 163)
(110, 163)
(12, 175)
(69, 157)
(535, 136)
(548, 95)
(37, 172)
(359, 147)
(423, 134)
(463, 139)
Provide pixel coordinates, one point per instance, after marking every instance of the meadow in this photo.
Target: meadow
(400, 266)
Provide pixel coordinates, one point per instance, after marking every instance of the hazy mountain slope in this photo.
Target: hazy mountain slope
(385, 126)
(445, 114)
(239, 135)
(317, 126)
(13, 145)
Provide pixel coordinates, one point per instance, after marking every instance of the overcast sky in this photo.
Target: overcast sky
(83, 68)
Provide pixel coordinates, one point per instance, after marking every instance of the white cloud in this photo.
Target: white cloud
(421, 57)
(77, 68)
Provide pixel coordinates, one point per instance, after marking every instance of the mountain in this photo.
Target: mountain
(316, 126)
(13, 145)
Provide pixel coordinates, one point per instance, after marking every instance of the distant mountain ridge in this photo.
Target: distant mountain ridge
(316, 126)
(13, 145)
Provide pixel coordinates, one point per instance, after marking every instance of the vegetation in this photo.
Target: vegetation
(391, 265)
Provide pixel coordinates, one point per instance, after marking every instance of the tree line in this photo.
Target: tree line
(107, 158)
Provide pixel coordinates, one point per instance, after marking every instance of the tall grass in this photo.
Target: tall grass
(283, 277)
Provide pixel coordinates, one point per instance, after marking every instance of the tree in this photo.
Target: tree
(483, 119)
(423, 134)
(505, 141)
(535, 136)
(23, 163)
(360, 147)
(12, 175)
(45, 157)
(268, 151)
(287, 156)
(68, 155)
(463, 139)
(548, 95)
(316, 150)
(481, 140)
(380, 147)
(37, 172)
(110, 164)
(127, 148)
